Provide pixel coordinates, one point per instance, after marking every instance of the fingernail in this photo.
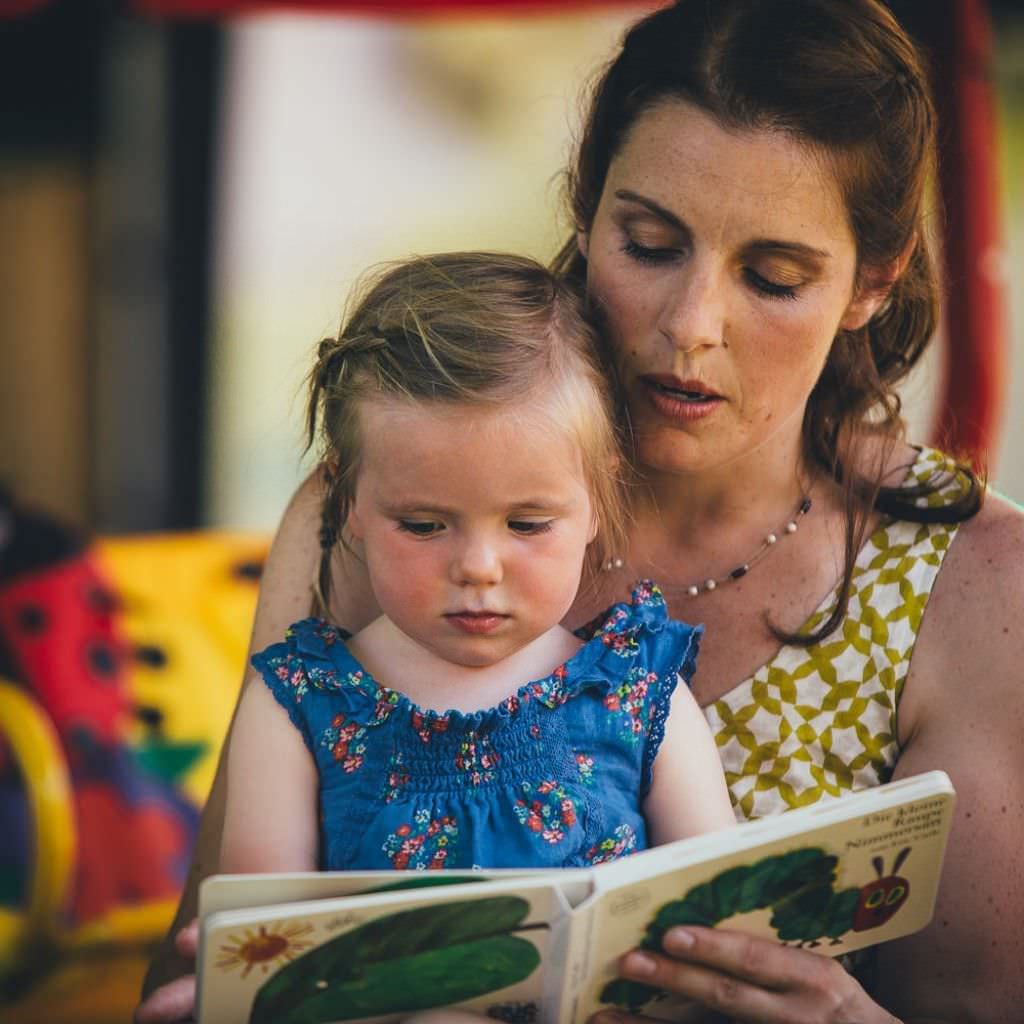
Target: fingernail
(641, 964)
(678, 940)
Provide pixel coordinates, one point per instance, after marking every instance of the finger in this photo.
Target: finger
(186, 942)
(761, 962)
(710, 987)
(169, 1004)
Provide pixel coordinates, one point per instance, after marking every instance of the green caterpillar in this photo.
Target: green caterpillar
(799, 886)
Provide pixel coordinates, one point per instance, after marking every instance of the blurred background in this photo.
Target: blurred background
(188, 189)
(186, 199)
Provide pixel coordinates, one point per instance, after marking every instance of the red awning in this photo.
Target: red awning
(383, 8)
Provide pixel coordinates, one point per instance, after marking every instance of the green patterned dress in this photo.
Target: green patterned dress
(817, 722)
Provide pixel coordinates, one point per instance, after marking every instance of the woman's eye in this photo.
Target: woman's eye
(772, 289)
(529, 527)
(420, 527)
(648, 254)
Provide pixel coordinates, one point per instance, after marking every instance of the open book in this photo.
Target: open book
(543, 945)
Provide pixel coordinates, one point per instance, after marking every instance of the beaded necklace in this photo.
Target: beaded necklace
(741, 570)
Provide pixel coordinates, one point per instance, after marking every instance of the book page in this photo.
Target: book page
(235, 892)
(829, 878)
(490, 947)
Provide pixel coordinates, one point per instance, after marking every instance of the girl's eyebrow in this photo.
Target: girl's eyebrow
(528, 506)
(771, 245)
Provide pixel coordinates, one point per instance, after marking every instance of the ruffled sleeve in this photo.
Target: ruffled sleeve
(640, 654)
(312, 664)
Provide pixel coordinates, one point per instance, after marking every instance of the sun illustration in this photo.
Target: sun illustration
(271, 945)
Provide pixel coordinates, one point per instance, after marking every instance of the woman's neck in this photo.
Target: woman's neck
(756, 488)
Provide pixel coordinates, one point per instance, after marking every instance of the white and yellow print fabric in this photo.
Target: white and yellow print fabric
(815, 722)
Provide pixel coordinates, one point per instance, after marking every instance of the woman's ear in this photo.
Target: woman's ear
(582, 242)
(876, 281)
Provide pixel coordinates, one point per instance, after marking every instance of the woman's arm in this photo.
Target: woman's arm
(688, 793)
(285, 594)
(962, 711)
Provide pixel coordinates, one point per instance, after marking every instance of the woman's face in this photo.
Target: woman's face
(724, 264)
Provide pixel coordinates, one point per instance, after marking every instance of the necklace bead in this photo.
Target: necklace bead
(741, 570)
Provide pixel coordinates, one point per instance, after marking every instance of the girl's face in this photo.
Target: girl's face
(474, 522)
(724, 265)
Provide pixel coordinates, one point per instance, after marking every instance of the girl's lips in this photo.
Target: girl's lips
(476, 622)
(683, 401)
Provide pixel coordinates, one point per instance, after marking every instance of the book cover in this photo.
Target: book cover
(542, 945)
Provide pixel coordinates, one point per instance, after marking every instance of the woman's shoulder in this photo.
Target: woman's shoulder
(968, 653)
(989, 551)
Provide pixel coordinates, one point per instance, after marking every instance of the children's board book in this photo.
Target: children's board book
(520, 945)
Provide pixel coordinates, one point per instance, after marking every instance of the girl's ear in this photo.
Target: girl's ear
(873, 289)
(582, 242)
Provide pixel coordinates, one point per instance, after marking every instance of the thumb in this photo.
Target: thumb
(169, 1004)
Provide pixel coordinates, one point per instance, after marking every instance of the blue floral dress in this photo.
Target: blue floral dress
(554, 776)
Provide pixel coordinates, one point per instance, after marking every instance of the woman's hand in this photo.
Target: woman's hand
(749, 980)
(174, 1002)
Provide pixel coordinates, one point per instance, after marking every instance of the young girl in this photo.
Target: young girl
(468, 419)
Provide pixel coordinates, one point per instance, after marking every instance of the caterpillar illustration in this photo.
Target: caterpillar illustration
(798, 886)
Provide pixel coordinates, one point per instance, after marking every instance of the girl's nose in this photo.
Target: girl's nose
(477, 562)
(693, 314)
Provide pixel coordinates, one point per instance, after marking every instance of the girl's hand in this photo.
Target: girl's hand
(750, 980)
(174, 1002)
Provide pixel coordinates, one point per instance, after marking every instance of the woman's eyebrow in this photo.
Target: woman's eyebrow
(783, 247)
(657, 209)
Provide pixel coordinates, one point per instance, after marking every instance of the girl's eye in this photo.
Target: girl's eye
(772, 289)
(420, 527)
(647, 254)
(529, 527)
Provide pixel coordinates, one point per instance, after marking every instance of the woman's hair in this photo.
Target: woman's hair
(843, 78)
(482, 329)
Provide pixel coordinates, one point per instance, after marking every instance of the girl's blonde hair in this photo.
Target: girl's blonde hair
(477, 328)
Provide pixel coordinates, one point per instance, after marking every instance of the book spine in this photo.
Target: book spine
(577, 965)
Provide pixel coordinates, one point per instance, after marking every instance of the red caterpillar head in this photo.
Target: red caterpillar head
(880, 899)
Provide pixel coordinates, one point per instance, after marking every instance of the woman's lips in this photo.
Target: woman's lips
(681, 400)
(476, 622)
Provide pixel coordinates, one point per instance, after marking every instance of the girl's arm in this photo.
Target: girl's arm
(271, 806)
(285, 594)
(688, 794)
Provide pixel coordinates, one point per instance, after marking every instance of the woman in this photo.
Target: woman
(750, 202)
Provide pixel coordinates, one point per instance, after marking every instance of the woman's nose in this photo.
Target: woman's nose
(693, 314)
(477, 562)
